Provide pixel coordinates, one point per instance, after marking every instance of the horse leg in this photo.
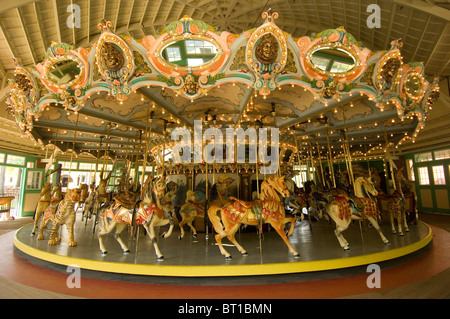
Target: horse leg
(278, 226)
(150, 228)
(43, 225)
(194, 230)
(399, 221)
(231, 238)
(164, 222)
(391, 218)
(403, 214)
(292, 221)
(342, 241)
(181, 224)
(104, 229)
(119, 229)
(374, 222)
(36, 221)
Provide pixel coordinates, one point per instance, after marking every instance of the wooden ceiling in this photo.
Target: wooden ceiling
(27, 28)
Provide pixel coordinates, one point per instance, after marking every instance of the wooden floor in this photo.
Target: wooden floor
(425, 278)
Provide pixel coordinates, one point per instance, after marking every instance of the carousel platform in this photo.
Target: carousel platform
(200, 257)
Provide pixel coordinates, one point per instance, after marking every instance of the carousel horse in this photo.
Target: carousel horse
(63, 213)
(84, 193)
(268, 209)
(88, 204)
(195, 203)
(396, 206)
(43, 203)
(101, 196)
(294, 202)
(343, 209)
(193, 207)
(166, 200)
(148, 213)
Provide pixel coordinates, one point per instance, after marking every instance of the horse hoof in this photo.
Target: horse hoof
(104, 253)
(297, 256)
(126, 252)
(387, 243)
(194, 235)
(179, 237)
(245, 254)
(400, 234)
(160, 258)
(346, 248)
(163, 235)
(228, 257)
(32, 234)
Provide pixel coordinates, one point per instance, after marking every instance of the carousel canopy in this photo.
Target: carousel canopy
(110, 87)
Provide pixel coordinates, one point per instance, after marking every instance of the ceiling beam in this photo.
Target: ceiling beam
(434, 10)
(27, 38)
(39, 26)
(56, 16)
(9, 5)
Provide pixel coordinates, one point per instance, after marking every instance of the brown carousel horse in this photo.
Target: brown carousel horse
(342, 212)
(268, 209)
(148, 213)
(396, 205)
(43, 203)
(194, 206)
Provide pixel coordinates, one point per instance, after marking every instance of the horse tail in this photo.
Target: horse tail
(215, 219)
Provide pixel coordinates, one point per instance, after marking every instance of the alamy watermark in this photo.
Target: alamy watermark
(235, 142)
(374, 279)
(74, 279)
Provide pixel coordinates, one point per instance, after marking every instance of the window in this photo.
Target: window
(66, 165)
(30, 165)
(13, 159)
(438, 175)
(34, 179)
(87, 166)
(424, 157)
(410, 169)
(200, 47)
(173, 54)
(2, 157)
(442, 154)
(424, 179)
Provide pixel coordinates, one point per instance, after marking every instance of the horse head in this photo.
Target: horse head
(366, 186)
(46, 189)
(272, 184)
(159, 186)
(84, 192)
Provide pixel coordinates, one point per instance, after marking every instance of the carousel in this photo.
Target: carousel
(232, 154)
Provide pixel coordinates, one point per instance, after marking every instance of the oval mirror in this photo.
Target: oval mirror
(333, 60)
(189, 53)
(64, 71)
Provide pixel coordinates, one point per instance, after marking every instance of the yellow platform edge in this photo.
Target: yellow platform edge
(224, 270)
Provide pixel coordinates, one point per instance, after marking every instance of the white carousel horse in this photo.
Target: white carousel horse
(43, 203)
(341, 211)
(149, 214)
(268, 209)
(62, 214)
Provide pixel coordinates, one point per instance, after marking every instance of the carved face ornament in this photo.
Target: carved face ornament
(267, 50)
(390, 70)
(112, 58)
